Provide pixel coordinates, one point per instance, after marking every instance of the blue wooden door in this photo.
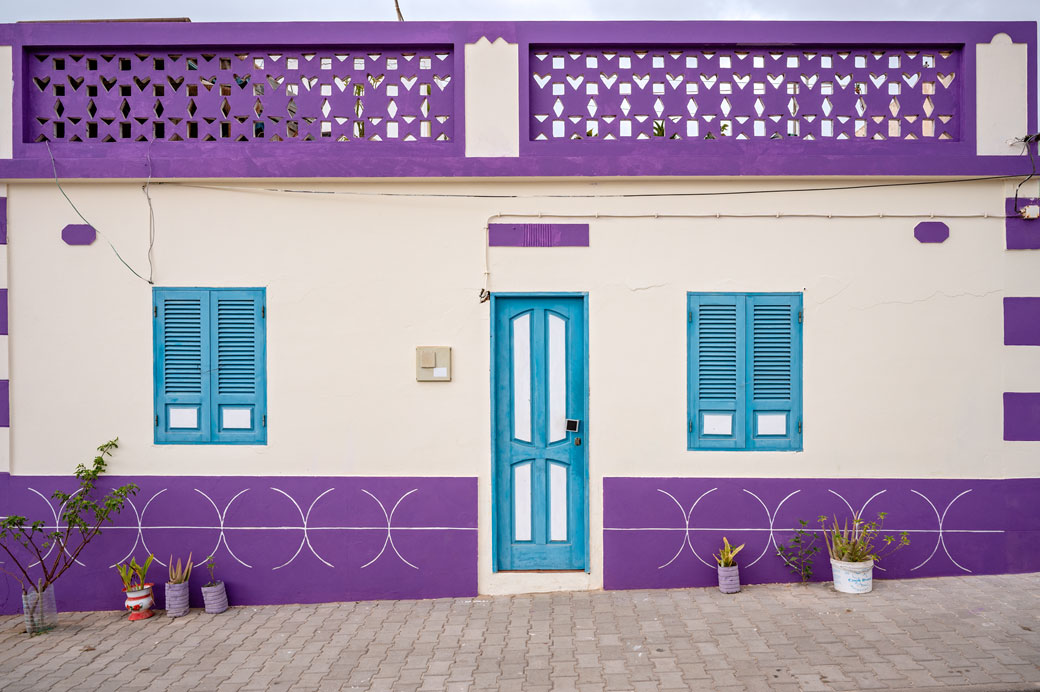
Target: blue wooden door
(538, 381)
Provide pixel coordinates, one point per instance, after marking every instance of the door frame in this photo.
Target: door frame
(584, 296)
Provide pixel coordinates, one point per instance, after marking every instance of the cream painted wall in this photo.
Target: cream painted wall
(904, 356)
(492, 98)
(1001, 96)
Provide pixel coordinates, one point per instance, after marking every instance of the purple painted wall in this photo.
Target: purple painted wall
(1022, 321)
(1021, 416)
(538, 235)
(276, 539)
(3, 221)
(1022, 234)
(661, 532)
(954, 103)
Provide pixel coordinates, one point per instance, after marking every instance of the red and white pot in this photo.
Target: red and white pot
(139, 602)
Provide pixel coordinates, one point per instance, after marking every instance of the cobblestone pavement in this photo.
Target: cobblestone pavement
(976, 632)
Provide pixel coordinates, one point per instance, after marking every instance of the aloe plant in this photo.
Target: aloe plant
(180, 574)
(726, 554)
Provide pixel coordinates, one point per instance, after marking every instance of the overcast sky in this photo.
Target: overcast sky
(285, 10)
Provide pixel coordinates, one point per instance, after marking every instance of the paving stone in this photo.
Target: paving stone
(958, 631)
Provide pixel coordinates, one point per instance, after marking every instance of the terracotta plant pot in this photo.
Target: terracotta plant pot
(41, 612)
(176, 599)
(215, 598)
(139, 602)
(729, 579)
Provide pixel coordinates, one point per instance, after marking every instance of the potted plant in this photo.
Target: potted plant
(55, 549)
(177, 588)
(800, 551)
(729, 573)
(139, 597)
(854, 550)
(214, 595)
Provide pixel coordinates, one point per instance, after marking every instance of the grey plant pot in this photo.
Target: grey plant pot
(729, 579)
(176, 599)
(215, 598)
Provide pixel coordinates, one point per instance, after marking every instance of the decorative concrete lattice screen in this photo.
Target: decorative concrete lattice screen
(241, 96)
(707, 93)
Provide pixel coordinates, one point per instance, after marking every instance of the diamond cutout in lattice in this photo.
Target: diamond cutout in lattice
(811, 94)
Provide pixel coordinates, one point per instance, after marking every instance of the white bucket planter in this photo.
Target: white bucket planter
(853, 577)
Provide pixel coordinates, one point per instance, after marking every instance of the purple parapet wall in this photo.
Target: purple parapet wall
(695, 97)
(249, 102)
(241, 94)
(931, 232)
(1022, 234)
(1022, 416)
(538, 235)
(1022, 321)
(275, 539)
(661, 532)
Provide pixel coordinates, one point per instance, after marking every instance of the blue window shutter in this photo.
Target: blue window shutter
(237, 372)
(181, 341)
(774, 357)
(716, 371)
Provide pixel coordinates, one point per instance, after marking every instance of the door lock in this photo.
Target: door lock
(577, 442)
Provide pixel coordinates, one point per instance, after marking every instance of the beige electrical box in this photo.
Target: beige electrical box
(433, 363)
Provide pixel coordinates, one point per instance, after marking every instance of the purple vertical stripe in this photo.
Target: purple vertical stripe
(1022, 234)
(3, 221)
(1021, 322)
(538, 235)
(5, 403)
(1022, 416)
(3, 311)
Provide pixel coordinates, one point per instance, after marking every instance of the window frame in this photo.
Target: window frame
(743, 437)
(208, 430)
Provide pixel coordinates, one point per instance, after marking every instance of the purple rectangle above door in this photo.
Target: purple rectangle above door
(538, 235)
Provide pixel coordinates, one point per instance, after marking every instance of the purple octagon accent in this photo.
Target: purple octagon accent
(1022, 234)
(3, 221)
(1022, 321)
(538, 235)
(931, 232)
(78, 234)
(558, 157)
(1022, 416)
(276, 539)
(661, 532)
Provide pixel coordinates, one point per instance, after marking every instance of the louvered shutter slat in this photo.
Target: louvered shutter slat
(716, 370)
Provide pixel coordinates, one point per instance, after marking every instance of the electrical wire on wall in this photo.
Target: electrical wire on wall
(485, 293)
(1028, 142)
(54, 167)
